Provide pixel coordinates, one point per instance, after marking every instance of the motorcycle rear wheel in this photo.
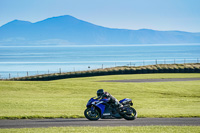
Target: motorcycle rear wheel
(92, 116)
(131, 116)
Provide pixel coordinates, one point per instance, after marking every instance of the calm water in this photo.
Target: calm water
(17, 61)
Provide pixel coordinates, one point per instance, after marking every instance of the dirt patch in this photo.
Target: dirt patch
(153, 80)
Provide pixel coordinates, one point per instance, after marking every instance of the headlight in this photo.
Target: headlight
(94, 102)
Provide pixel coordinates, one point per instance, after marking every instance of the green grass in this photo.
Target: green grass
(138, 129)
(68, 97)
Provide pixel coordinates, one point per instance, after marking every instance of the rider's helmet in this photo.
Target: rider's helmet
(100, 92)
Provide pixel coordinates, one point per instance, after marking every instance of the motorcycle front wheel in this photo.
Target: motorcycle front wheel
(92, 115)
(130, 114)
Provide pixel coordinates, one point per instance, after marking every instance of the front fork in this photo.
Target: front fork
(92, 109)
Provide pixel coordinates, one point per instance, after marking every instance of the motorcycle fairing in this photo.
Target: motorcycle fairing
(122, 100)
(101, 107)
(90, 101)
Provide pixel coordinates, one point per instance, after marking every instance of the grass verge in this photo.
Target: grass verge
(135, 129)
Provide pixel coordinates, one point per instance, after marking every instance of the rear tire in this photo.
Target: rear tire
(131, 116)
(92, 116)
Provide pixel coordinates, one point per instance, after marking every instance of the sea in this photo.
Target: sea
(20, 61)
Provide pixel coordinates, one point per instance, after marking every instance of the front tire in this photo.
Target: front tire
(93, 116)
(130, 116)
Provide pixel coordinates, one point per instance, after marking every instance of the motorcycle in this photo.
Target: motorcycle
(101, 109)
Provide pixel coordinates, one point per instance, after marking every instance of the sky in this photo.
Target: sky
(163, 15)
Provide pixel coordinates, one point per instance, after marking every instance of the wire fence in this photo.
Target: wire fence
(100, 65)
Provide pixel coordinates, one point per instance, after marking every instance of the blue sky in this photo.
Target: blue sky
(181, 15)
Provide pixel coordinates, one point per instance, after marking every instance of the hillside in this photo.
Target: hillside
(159, 68)
(67, 30)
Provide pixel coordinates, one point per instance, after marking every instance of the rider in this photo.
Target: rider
(109, 98)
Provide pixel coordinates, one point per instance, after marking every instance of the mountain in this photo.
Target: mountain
(67, 30)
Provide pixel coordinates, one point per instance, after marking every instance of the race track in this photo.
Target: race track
(103, 122)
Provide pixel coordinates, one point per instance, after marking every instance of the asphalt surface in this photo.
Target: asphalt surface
(152, 80)
(32, 123)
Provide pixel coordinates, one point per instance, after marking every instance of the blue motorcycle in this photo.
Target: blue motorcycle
(102, 109)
